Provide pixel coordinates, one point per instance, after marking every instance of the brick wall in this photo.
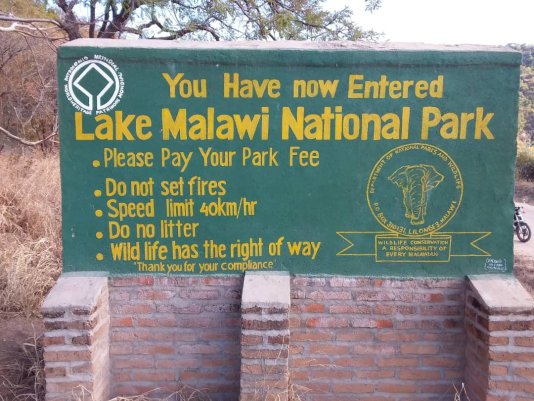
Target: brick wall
(76, 341)
(500, 341)
(318, 337)
(383, 339)
(167, 331)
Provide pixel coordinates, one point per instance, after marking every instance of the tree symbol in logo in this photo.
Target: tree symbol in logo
(81, 86)
(416, 181)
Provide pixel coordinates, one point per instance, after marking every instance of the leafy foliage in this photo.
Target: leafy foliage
(27, 77)
(209, 19)
(526, 93)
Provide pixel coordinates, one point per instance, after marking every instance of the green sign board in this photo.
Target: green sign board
(333, 158)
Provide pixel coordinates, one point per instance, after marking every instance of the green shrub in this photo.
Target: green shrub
(525, 162)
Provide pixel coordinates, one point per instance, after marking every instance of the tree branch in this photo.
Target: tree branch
(10, 18)
(24, 141)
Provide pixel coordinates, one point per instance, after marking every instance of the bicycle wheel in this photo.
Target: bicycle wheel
(523, 231)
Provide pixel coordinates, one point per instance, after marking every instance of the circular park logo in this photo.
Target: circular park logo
(414, 189)
(94, 85)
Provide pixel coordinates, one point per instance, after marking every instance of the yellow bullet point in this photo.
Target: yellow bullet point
(99, 213)
(96, 163)
(99, 235)
(99, 256)
(98, 193)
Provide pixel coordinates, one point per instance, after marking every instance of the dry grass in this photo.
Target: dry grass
(23, 373)
(183, 393)
(30, 230)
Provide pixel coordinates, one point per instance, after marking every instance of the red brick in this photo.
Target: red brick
(264, 353)
(379, 349)
(394, 309)
(65, 387)
(82, 340)
(132, 281)
(303, 281)
(354, 335)
(152, 375)
(308, 362)
(134, 309)
(350, 282)
(311, 336)
(178, 363)
(354, 362)
(441, 310)
(55, 371)
(363, 323)
(330, 295)
(311, 308)
(397, 388)
(179, 309)
(56, 340)
(299, 377)
(278, 339)
(375, 374)
(129, 363)
(249, 339)
(120, 349)
(155, 322)
(353, 388)
(156, 295)
(295, 349)
(397, 362)
(53, 314)
(66, 356)
(265, 324)
(197, 375)
(82, 368)
(384, 324)
(524, 341)
(453, 323)
(329, 349)
(232, 281)
(444, 362)
(327, 322)
(419, 349)
(516, 325)
(397, 336)
(419, 374)
(498, 340)
(122, 321)
(515, 386)
(527, 373)
(498, 370)
(337, 374)
(211, 349)
(354, 309)
(511, 356)
(436, 297)
(199, 294)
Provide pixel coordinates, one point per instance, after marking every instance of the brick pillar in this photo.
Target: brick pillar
(499, 319)
(76, 339)
(265, 336)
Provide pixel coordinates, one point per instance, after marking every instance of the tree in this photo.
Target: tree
(198, 20)
(27, 77)
(526, 92)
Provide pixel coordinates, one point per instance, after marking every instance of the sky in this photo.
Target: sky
(486, 22)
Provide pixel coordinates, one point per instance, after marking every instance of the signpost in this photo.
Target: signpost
(313, 158)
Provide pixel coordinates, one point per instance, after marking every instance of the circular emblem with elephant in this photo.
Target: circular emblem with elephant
(414, 189)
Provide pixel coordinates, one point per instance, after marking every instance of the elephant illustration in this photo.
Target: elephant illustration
(416, 182)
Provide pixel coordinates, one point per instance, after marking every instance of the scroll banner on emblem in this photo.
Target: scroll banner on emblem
(392, 247)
